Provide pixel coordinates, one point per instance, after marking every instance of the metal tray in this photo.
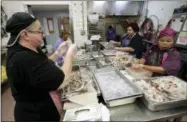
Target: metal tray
(109, 52)
(63, 95)
(91, 62)
(80, 63)
(96, 54)
(84, 57)
(94, 83)
(107, 62)
(107, 45)
(122, 101)
(157, 106)
(114, 90)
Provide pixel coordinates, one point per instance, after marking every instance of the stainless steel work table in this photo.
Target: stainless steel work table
(139, 112)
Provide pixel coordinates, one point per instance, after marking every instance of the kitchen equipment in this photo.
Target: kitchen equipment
(104, 61)
(94, 67)
(96, 55)
(87, 79)
(91, 62)
(75, 86)
(107, 45)
(115, 88)
(109, 52)
(85, 56)
(80, 63)
(159, 95)
(87, 76)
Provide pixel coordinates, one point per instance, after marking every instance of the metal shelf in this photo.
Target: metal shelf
(96, 29)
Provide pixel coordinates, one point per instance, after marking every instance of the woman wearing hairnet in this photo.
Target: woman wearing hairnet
(162, 58)
(33, 77)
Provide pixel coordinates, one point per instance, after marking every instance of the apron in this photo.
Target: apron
(125, 42)
(158, 58)
(56, 96)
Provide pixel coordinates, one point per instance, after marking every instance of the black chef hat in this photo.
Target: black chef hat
(16, 23)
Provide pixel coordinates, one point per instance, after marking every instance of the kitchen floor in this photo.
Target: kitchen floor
(7, 106)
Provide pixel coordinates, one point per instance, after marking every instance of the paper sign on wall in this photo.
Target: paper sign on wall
(182, 39)
(176, 25)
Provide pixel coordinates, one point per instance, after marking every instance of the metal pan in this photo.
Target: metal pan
(115, 91)
(94, 83)
(103, 61)
(75, 68)
(157, 106)
(97, 54)
(109, 52)
(84, 57)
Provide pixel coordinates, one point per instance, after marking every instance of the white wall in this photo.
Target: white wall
(11, 7)
(75, 10)
(163, 10)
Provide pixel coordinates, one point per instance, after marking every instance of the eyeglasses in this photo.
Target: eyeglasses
(40, 32)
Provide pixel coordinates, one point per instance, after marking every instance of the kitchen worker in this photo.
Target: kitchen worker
(63, 37)
(132, 42)
(161, 58)
(111, 33)
(31, 74)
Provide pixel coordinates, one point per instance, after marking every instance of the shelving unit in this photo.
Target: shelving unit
(97, 29)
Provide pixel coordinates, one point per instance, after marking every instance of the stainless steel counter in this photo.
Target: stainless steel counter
(138, 112)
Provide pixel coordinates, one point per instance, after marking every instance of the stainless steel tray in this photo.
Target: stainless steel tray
(63, 95)
(157, 106)
(84, 57)
(90, 62)
(80, 63)
(96, 54)
(115, 88)
(109, 52)
(107, 62)
(94, 67)
(107, 45)
(94, 83)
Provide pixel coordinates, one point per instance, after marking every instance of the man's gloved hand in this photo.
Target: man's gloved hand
(62, 49)
(72, 50)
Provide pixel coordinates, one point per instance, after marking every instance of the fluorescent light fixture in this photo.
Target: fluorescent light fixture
(121, 2)
(99, 2)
